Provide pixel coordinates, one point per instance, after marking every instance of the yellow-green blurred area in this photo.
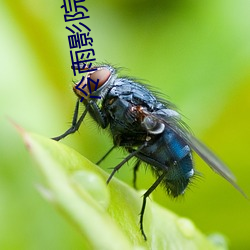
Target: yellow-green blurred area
(195, 52)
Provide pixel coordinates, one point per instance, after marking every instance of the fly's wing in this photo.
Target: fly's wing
(175, 124)
(212, 160)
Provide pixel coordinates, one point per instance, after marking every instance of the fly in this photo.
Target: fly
(149, 128)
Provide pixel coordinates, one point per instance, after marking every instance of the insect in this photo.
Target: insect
(149, 128)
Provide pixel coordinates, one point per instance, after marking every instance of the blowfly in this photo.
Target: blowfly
(148, 127)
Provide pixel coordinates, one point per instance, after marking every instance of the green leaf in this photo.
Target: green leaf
(106, 215)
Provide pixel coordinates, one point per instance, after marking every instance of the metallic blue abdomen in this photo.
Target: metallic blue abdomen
(168, 153)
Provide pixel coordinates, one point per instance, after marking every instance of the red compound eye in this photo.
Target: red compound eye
(102, 75)
(93, 80)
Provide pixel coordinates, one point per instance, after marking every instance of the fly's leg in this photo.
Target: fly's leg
(136, 167)
(124, 161)
(93, 109)
(105, 155)
(97, 114)
(145, 196)
(75, 124)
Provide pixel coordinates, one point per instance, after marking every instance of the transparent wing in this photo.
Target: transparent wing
(175, 124)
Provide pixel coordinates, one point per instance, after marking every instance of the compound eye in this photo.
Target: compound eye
(92, 82)
(98, 78)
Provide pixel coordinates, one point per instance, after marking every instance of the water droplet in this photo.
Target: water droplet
(94, 185)
(187, 227)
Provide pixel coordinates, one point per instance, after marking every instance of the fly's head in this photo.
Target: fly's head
(95, 83)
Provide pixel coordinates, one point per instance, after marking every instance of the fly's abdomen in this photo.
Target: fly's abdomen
(178, 176)
(168, 154)
(180, 166)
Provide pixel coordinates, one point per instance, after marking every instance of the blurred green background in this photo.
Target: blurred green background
(196, 52)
